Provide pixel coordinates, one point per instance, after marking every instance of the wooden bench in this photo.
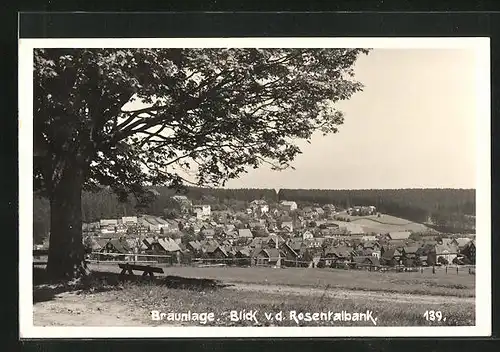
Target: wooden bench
(146, 269)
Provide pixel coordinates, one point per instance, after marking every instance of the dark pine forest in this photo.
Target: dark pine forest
(447, 210)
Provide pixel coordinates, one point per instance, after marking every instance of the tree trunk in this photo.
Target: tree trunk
(66, 250)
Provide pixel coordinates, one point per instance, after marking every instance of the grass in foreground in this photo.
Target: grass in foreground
(451, 284)
(142, 298)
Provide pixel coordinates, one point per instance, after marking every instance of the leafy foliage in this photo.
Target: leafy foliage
(207, 113)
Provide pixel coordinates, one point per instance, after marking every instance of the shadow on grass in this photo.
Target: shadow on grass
(196, 284)
(46, 290)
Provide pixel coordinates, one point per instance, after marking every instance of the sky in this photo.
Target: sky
(413, 126)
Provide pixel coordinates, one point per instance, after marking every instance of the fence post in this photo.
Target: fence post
(433, 269)
(446, 268)
(457, 269)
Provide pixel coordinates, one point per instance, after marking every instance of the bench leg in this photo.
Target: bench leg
(151, 274)
(145, 273)
(130, 272)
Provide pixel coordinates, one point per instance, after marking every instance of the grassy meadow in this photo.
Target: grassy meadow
(440, 283)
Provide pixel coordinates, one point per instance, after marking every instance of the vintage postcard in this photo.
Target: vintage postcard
(254, 187)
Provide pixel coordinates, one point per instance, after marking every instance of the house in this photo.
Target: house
(368, 238)
(307, 235)
(399, 235)
(274, 240)
(411, 255)
(165, 247)
(245, 233)
(207, 233)
(202, 211)
(319, 211)
(337, 255)
(288, 205)
(155, 223)
(366, 261)
(129, 220)
(374, 247)
(218, 253)
(118, 246)
(391, 257)
(444, 254)
(194, 246)
(258, 242)
(460, 243)
(287, 226)
(290, 255)
(92, 244)
(469, 251)
(108, 222)
(260, 206)
(314, 242)
(268, 256)
(242, 256)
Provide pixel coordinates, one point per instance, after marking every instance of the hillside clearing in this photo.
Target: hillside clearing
(387, 223)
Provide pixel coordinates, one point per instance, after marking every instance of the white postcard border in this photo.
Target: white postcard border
(483, 190)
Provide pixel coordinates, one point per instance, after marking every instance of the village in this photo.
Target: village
(281, 234)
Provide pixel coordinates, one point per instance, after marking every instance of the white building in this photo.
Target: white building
(202, 211)
(129, 220)
(288, 205)
(307, 235)
(108, 222)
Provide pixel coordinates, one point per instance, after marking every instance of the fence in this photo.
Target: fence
(99, 258)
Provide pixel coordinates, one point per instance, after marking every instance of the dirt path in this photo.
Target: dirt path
(71, 309)
(105, 309)
(352, 294)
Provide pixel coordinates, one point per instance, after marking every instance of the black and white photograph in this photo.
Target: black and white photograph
(247, 187)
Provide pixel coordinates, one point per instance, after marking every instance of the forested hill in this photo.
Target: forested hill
(446, 209)
(453, 209)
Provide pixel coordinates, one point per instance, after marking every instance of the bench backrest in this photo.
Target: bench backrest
(153, 269)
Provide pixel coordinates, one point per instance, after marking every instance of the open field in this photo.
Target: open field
(395, 299)
(132, 303)
(386, 223)
(441, 283)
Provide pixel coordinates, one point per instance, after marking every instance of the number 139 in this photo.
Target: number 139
(434, 315)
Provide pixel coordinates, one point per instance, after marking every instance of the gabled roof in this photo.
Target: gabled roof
(399, 235)
(169, 245)
(411, 249)
(120, 245)
(370, 244)
(390, 253)
(342, 252)
(212, 249)
(271, 253)
(196, 245)
(364, 259)
(245, 251)
(443, 248)
(294, 252)
(462, 242)
(296, 243)
(245, 233)
(101, 242)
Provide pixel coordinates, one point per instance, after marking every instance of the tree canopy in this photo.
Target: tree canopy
(132, 119)
(205, 112)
